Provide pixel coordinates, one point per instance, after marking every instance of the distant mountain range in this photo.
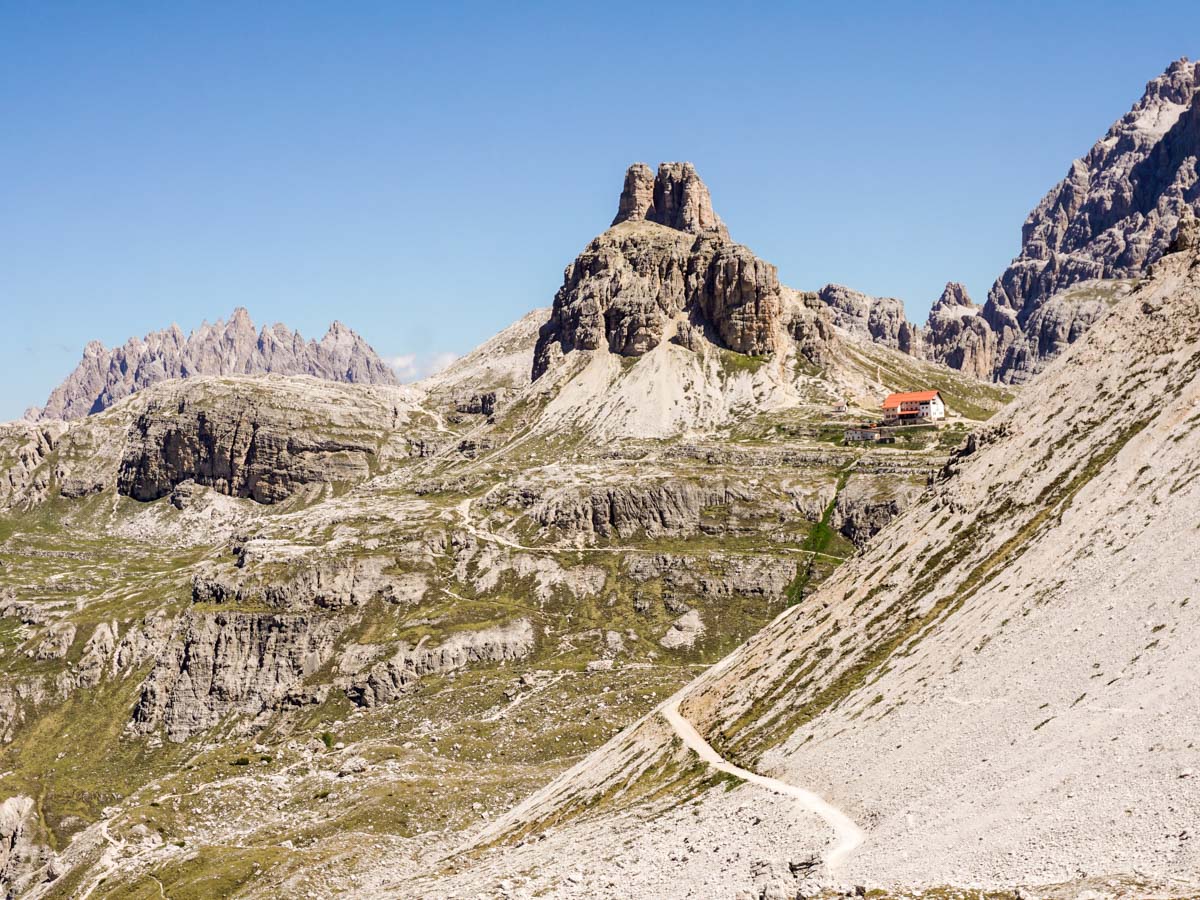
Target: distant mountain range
(1096, 231)
(235, 347)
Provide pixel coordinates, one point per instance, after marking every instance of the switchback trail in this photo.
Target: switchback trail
(849, 835)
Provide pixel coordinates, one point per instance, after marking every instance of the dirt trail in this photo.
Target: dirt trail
(849, 835)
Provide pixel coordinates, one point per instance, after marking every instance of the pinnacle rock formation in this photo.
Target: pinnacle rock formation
(675, 197)
(956, 334)
(668, 270)
(1112, 216)
(105, 376)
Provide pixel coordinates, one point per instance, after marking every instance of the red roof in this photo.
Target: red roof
(894, 400)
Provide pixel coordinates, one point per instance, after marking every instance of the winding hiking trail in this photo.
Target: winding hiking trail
(849, 835)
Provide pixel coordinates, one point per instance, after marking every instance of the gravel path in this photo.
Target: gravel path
(849, 835)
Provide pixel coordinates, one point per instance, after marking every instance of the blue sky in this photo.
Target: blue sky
(424, 174)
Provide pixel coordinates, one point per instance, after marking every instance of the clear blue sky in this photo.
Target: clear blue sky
(425, 174)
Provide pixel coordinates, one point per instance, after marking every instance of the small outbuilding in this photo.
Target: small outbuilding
(871, 434)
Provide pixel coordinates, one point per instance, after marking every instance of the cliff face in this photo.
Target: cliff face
(261, 440)
(223, 663)
(387, 680)
(1115, 213)
(105, 376)
(1099, 229)
(666, 270)
(958, 336)
(878, 319)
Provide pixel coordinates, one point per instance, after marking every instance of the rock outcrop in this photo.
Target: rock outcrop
(333, 584)
(105, 376)
(386, 681)
(19, 854)
(714, 579)
(684, 632)
(957, 335)
(868, 503)
(483, 404)
(878, 319)
(666, 270)
(1187, 233)
(25, 479)
(673, 506)
(1112, 216)
(247, 440)
(224, 663)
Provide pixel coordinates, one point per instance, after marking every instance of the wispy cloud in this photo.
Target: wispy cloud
(415, 366)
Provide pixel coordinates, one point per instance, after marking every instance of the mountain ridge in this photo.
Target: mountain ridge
(105, 376)
(1113, 215)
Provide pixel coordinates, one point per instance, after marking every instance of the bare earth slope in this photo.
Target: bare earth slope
(998, 690)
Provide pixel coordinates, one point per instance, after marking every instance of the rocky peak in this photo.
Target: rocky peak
(954, 297)
(234, 347)
(957, 335)
(637, 196)
(675, 197)
(240, 321)
(668, 270)
(1112, 216)
(1175, 86)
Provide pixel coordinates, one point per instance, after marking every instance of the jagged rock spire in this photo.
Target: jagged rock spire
(675, 197)
(954, 295)
(225, 348)
(1187, 232)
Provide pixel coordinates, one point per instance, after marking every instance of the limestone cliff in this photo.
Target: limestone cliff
(878, 319)
(223, 663)
(386, 681)
(957, 335)
(667, 270)
(1114, 213)
(245, 439)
